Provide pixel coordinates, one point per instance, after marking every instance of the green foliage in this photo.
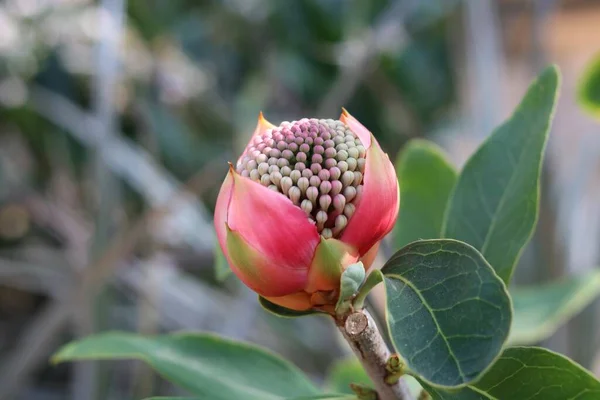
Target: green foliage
(204, 364)
(494, 206)
(447, 311)
(588, 91)
(540, 310)
(426, 179)
(529, 373)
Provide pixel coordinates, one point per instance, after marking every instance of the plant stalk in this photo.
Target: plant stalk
(360, 331)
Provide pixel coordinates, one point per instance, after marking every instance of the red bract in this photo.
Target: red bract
(305, 200)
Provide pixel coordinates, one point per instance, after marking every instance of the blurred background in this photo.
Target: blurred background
(117, 118)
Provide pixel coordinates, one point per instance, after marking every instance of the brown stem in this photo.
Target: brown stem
(361, 333)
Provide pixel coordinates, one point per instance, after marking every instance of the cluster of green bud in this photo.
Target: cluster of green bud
(317, 163)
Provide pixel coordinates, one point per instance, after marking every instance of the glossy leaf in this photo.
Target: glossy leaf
(426, 180)
(588, 91)
(285, 312)
(530, 373)
(204, 364)
(494, 206)
(540, 310)
(447, 311)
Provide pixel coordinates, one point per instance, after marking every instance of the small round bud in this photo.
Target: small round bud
(349, 210)
(347, 178)
(299, 166)
(303, 184)
(358, 177)
(315, 181)
(343, 166)
(295, 194)
(342, 146)
(263, 168)
(286, 183)
(362, 152)
(287, 154)
(324, 174)
(327, 233)
(281, 145)
(255, 175)
(321, 218)
(304, 148)
(275, 177)
(319, 149)
(330, 152)
(286, 171)
(273, 168)
(293, 147)
(282, 162)
(328, 143)
(275, 153)
(353, 152)
(295, 175)
(301, 157)
(307, 173)
(330, 163)
(312, 194)
(265, 180)
(335, 173)
(315, 168)
(325, 202)
(245, 173)
(317, 158)
(251, 165)
(336, 187)
(339, 201)
(325, 187)
(342, 155)
(352, 164)
(361, 164)
(261, 158)
(340, 222)
(349, 193)
(274, 188)
(306, 206)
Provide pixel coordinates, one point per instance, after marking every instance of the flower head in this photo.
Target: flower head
(306, 199)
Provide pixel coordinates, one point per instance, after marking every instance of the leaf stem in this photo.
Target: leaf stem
(361, 333)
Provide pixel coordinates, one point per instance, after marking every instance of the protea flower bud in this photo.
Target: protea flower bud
(304, 201)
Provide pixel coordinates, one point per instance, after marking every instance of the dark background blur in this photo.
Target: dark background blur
(117, 118)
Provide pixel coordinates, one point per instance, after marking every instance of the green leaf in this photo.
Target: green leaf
(222, 270)
(588, 90)
(447, 311)
(494, 206)
(426, 179)
(351, 279)
(204, 364)
(343, 373)
(281, 311)
(173, 398)
(530, 373)
(541, 310)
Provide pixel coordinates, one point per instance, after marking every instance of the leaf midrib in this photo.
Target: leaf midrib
(431, 312)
